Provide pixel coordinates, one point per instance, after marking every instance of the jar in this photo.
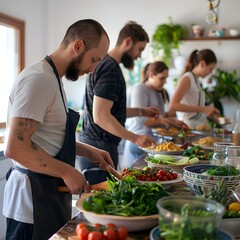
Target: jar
(233, 156)
(219, 154)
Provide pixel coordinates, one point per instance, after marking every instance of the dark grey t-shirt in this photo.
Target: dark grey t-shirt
(107, 82)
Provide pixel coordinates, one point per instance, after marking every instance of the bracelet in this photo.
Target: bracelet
(140, 112)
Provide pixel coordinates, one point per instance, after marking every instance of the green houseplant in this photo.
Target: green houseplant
(227, 85)
(167, 36)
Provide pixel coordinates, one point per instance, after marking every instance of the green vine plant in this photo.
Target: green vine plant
(228, 85)
(167, 36)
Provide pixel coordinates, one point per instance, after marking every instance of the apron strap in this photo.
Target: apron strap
(49, 60)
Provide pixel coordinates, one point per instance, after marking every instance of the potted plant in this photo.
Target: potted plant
(167, 36)
(227, 85)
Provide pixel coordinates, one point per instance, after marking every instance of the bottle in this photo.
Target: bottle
(236, 129)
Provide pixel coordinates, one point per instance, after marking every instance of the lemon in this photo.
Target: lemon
(235, 206)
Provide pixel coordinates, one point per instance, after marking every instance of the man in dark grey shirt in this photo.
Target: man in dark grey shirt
(105, 102)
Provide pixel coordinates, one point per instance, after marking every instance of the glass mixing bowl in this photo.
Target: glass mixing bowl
(185, 218)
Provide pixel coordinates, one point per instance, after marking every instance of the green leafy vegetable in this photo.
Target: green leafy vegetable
(226, 170)
(126, 197)
(199, 152)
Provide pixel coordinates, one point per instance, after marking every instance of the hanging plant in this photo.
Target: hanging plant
(167, 36)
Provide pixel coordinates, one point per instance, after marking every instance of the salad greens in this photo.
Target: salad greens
(199, 152)
(226, 170)
(126, 197)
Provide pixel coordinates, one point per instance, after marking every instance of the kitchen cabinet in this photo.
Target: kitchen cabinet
(5, 164)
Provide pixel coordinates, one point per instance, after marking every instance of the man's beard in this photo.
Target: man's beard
(127, 61)
(74, 68)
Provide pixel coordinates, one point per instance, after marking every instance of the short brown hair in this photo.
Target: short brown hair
(134, 31)
(89, 30)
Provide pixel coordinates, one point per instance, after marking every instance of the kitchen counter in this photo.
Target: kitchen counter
(67, 232)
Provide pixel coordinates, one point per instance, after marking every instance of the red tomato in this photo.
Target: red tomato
(111, 225)
(164, 178)
(169, 176)
(110, 234)
(162, 172)
(81, 225)
(95, 235)
(175, 175)
(122, 233)
(97, 225)
(159, 176)
(82, 233)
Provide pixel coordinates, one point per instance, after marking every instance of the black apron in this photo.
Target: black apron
(52, 209)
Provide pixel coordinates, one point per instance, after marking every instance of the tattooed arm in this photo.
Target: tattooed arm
(20, 148)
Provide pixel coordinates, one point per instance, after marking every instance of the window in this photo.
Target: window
(11, 57)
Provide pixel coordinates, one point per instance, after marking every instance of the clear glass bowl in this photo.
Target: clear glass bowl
(184, 218)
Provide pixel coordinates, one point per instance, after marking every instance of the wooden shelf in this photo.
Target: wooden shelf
(211, 38)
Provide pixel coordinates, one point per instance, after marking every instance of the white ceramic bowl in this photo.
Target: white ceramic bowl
(233, 32)
(132, 224)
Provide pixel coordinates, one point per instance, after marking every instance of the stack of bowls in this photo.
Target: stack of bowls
(201, 184)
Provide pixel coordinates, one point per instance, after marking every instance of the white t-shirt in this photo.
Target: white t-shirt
(35, 95)
(194, 96)
(141, 96)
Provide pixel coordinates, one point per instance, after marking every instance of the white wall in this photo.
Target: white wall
(114, 14)
(47, 21)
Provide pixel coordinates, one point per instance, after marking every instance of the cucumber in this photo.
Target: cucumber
(194, 160)
(164, 157)
(183, 161)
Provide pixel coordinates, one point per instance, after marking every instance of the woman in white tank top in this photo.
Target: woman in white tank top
(189, 96)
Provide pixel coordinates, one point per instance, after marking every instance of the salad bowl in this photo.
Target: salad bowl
(132, 224)
(175, 167)
(200, 183)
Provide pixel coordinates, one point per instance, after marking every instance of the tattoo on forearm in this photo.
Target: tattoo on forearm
(23, 127)
(34, 146)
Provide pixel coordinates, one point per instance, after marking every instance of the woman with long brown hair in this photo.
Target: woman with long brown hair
(150, 92)
(189, 96)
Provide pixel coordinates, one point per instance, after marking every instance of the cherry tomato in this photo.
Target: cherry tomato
(110, 234)
(159, 176)
(169, 176)
(97, 225)
(95, 235)
(80, 225)
(164, 178)
(122, 233)
(162, 172)
(111, 225)
(82, 233)
(175, 175)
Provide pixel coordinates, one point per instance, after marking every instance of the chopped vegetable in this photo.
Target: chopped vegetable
(198, 152)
